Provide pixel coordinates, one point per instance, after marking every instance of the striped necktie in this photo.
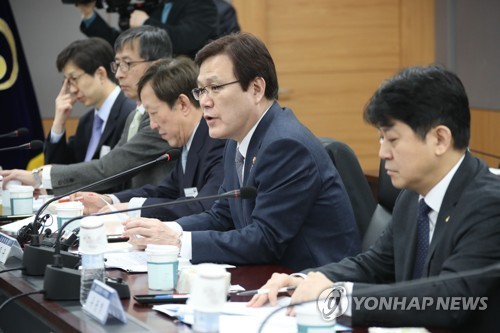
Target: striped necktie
(239, 161)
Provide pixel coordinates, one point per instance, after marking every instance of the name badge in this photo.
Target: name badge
(103, 302)
(9, 247)
(191, 192)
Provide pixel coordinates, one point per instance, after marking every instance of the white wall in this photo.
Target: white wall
(46, 27)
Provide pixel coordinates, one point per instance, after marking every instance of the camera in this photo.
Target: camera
(123, 7)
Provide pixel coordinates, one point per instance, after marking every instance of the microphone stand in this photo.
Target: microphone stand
(35, 257)
(33, 228)
(62, 283)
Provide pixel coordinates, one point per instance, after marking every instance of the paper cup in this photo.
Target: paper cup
(309, 320)
(66, 211)
(92, 236)
(21, 199)
(163, 265)
(187, 277)
(6, 196)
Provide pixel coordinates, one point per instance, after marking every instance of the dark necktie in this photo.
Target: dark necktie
(94, 139)
(422, 239)
(239, 160)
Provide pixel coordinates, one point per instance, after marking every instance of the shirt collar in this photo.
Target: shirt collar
(141, 109)
(190, 141)
(105, 110)
(243, 145)
(435, 197)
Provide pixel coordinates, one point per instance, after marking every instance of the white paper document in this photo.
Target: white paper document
(236, 316)
(137, 262)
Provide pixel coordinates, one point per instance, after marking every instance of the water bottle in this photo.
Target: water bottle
(92, 246)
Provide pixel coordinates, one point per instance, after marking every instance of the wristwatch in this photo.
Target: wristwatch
(36, 176)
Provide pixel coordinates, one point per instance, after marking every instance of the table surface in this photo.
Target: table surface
(67, 316)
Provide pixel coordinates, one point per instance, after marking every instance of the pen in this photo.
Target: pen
(263, 291)
(170, 296)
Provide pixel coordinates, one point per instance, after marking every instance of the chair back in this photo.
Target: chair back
(387, 195)
(354, 179)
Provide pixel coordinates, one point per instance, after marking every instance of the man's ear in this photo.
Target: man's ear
(444, 139)
(101, 73)
(258, 86)
(183, 104)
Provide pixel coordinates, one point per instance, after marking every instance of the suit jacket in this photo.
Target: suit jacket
(190, 25)
(204, 171)
(74, 151)
(466, 236)
(143, 147)
(301, 216)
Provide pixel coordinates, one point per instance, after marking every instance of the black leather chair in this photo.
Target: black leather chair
(387, 195)
(354, 179)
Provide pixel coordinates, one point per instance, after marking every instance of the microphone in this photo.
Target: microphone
(61, 283)
(33, 145)
(23, 131)
(30, 231)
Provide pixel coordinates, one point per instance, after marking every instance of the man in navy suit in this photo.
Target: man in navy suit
(301, 215)
(165, 91)
(445, 221)
(87, 79)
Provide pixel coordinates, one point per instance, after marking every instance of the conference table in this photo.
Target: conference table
(34, 314)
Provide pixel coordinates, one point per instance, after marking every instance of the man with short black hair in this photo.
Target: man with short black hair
(445, 222)
(87, 79)
(135, 50)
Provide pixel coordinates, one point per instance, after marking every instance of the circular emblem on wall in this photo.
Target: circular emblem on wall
(8, 79)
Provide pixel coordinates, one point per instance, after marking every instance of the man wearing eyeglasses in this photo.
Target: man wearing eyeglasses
(135, 50)
(165, 91)
(87, 79)
(301, 214)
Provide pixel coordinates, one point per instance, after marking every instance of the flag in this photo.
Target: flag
(18, 105)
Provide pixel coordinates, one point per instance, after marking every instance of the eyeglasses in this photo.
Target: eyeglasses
(213, 89)
(73, 80)
(125, 66)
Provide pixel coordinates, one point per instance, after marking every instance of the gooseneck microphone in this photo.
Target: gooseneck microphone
(241, 193)
(32, 145)
(61, 283)
(23, 131)
(30, 231)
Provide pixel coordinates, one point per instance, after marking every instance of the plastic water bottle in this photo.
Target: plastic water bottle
(92, 269)
(92, 246)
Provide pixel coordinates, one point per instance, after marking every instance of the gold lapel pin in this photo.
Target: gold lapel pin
(446, 219)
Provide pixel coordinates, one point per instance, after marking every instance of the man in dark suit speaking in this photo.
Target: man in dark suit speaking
(446, 221)
(301, 215)
(165, 91)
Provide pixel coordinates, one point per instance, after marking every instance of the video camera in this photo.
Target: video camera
(123, 7)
